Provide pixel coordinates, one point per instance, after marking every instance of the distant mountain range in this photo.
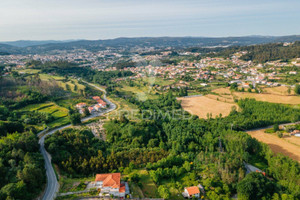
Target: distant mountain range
(28, 43)
(24, 46)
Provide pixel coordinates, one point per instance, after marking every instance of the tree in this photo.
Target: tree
(297, 89)
(75, 118)
(276, 127)
(164, 192)
(289, 90)
(255, 186)
(234, 86)
(68, 87)
(135, 178)
(86, 112)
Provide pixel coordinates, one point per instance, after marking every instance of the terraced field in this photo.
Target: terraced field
(62, 83)
(60, 114)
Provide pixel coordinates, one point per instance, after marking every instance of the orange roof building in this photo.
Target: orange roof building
(96, 98)
(109, 180)
(191, 191)
(110, 184)
(80, 105)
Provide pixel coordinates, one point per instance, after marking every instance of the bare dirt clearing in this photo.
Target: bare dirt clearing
(202, 105)
(287, 146)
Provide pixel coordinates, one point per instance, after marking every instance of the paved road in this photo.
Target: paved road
(52, 183)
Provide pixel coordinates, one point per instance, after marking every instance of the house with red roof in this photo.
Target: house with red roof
(190, 192)
(96, 98)
(100, 101)
(80, 105)
(110, 184)
(91, 109)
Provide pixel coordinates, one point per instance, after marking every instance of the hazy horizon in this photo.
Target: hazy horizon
(93, 19)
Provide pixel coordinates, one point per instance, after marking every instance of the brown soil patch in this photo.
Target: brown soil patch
(293, 139)
(278, 145)
(275, 95)
(281, 90)
(202, 105)
(223, 98)
(270, 97)
(222, 91)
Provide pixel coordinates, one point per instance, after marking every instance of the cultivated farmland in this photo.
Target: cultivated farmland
(286, 145)
(60, 114)
(202, 105)
(273, 95)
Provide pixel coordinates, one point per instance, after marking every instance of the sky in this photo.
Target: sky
(105, 19)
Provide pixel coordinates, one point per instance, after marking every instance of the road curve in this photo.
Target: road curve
(52, 183)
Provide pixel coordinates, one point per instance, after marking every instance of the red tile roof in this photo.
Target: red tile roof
(81, 104)
(122, 188)
(96, 98)
(109, 180)
(193, 190)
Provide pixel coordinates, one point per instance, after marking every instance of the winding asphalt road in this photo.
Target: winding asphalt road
(52, 183)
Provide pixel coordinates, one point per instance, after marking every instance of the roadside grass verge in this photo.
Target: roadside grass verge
(72, 184)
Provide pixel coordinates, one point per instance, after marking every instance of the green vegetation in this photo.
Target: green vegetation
(78, 152)
(73, 184)
(58, 114)
(180, 153)
(261, 53)
(256, 186)
(297, 89)
(22, 171)
(268, 52)
(27, 105)
(160, 153)
(91, 193)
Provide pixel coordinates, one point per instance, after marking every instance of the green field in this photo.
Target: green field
(157, 81)
(147, 188)
(62, 82)
(71, 102)
(30, 71)
(123, 106)
(60, 114)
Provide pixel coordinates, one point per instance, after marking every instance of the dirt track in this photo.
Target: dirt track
(279, 145)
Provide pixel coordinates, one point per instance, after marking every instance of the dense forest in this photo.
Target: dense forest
(167, 146)
(22, 171)
(19, 91)
(270, 52)
(64, 68)
(257, 53)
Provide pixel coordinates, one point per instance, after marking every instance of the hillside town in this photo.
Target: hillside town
(207, 69)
